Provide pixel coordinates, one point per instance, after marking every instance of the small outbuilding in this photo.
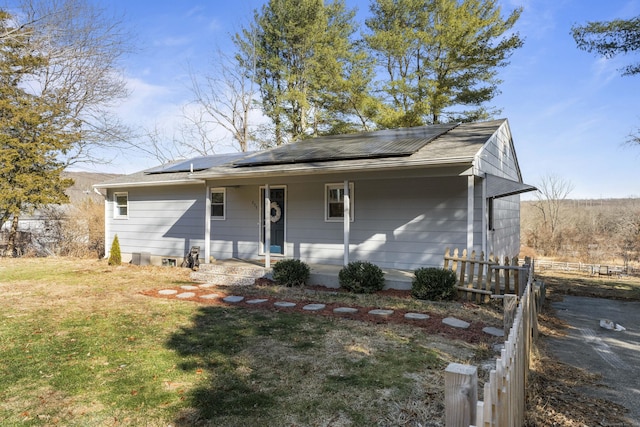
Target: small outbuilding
(396, 198)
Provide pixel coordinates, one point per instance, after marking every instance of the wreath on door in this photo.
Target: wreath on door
(276, 212)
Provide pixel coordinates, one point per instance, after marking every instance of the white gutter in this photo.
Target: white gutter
(304, 169)
(188, 181)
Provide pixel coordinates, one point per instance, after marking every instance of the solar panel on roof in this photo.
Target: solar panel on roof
(197, 163)
(386, 143)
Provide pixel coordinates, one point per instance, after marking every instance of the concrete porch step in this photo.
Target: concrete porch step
(230, 274)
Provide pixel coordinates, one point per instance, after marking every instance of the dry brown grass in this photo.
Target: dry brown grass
(102, 353)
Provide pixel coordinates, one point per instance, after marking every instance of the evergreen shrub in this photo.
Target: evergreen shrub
(434, 284)
(115, 258)
(291, 272)
(361, 277)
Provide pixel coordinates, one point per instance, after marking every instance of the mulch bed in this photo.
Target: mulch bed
(433, 325)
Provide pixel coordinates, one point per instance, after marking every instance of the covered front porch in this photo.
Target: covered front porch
(240, 272)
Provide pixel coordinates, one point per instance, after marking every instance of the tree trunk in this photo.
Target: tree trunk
(13, 232)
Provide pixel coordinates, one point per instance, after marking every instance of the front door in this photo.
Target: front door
(277, 214)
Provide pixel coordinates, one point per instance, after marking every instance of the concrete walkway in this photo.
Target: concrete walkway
(613, 354)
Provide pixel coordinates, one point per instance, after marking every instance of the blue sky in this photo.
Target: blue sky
(570, 112)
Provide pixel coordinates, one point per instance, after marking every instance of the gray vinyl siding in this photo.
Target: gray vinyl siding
(164, 221)
(399, 223)
(504, 241)
(498, 158)
(238, 235)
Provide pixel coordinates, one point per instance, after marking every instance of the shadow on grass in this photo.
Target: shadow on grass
(212, 345)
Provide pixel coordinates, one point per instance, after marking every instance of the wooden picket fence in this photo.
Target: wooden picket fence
(504, 393)
(479, 279)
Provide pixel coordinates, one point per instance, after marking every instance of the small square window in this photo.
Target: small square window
(121, 205)
(334, 202)
(218, 197)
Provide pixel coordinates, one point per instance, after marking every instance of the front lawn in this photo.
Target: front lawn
(80, 345)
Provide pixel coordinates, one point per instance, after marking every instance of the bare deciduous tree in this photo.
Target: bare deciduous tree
(552, 191)
(225, 98)
(83, 45)
(223, 114)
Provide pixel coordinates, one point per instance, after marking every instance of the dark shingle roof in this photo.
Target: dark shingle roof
(422, 146)
(385, 143)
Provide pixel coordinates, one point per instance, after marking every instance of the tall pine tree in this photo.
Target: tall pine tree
(34, 131)
(610, 38)
(312, 76)
(439, 57)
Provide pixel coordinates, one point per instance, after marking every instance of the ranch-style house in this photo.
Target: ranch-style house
(396, 198)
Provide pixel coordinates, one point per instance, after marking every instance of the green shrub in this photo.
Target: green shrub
(115, 258)
(361, 277)
(434, 284)
(291, 272)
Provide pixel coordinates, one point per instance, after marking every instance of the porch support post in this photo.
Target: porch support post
(207, 225)
(485, 217)
(470, 209)
(347, 221)
(267, 226)
(108, 216)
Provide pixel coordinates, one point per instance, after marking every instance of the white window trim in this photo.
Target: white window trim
(116, 211)
(326, 202)
(224, 204)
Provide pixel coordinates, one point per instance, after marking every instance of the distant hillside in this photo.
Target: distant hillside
(586, 230)
(83, 185)
(590, 204)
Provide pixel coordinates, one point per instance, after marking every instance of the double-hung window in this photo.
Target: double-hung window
(218, 199)
(121, 205)
(334, 202)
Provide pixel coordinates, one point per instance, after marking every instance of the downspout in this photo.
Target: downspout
(346, 209)
(207, 225)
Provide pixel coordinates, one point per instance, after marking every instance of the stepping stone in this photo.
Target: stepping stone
(189, 287)
(284, 304)
(210, 296)
(493, 331)
(416, 316)
(233, 298)
(345, 310)
(380, 312)
(168, 292)
(257, 301)
(456, 323)
(206, 285)
(314, 307)
(186, 295)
